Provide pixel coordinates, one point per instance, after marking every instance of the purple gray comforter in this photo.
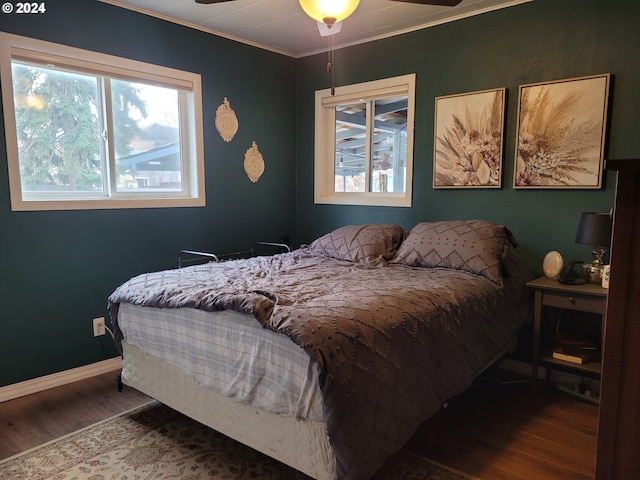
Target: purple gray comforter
(392, 343)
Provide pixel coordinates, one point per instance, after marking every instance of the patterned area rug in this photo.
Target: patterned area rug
(155, 442)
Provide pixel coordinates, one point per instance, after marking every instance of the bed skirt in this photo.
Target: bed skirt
(301, 444)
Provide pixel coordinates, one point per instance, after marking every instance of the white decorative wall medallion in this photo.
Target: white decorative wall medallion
(226, 121)
(253, 163)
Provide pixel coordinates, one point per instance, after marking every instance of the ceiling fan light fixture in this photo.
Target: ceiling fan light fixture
(326, 30)
(329, 11)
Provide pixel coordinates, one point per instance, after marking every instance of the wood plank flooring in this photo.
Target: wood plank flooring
(498, 431)
(494, 431)
(32, 420)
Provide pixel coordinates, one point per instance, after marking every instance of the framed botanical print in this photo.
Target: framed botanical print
(468, 138)
(561, 132)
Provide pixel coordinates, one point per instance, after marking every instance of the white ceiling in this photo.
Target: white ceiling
(283, 27)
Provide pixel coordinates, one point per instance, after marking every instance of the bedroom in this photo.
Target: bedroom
(73, 259)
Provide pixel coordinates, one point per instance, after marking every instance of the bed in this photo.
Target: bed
(329, 357)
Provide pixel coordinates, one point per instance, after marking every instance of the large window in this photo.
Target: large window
(87, 130)
(364, 143)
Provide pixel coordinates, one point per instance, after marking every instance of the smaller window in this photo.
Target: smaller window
(364, 143)
(87, 130)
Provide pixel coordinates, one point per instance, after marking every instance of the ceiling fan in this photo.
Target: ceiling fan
(446, 3)
(331, 12)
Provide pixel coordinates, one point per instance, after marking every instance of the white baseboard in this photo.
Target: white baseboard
(40, 384)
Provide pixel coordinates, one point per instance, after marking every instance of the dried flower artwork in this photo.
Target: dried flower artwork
(560, 136)
(468, 140)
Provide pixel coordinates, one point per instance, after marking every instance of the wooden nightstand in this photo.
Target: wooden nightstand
(589, 298)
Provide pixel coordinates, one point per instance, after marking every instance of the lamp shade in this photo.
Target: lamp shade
(329, 11)
(594, 229)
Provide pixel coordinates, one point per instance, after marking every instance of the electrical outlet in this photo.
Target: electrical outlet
(98, 327)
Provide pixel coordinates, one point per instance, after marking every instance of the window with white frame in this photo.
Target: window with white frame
(364, 143)
(87, 130)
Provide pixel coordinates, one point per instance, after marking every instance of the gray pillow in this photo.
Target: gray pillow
(369, 244)
(474, 246)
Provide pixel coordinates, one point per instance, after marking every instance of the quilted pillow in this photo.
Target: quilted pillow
(368, 244)
(475, 246)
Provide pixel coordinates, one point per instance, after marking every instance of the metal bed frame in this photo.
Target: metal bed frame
(192, 257)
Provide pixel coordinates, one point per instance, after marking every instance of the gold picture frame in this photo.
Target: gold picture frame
(468, 139)
(560, 133)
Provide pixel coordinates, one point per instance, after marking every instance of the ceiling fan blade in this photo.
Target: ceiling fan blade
(446, 3)
(207, 2)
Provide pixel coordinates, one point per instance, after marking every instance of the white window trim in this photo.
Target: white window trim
(15, 46)
(325, 140)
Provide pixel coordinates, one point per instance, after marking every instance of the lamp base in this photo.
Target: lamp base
(592, 272)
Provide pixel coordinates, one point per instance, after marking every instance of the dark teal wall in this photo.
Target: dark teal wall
(533, 42)
(57, 268)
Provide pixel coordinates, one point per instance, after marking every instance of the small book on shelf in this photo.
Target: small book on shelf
(576, 340)
(577, 355)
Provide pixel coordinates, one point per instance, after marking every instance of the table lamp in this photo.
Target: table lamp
(594, 229)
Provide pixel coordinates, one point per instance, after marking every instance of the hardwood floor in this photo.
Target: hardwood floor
(30, 421)
(498, 431)
(494, 431)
